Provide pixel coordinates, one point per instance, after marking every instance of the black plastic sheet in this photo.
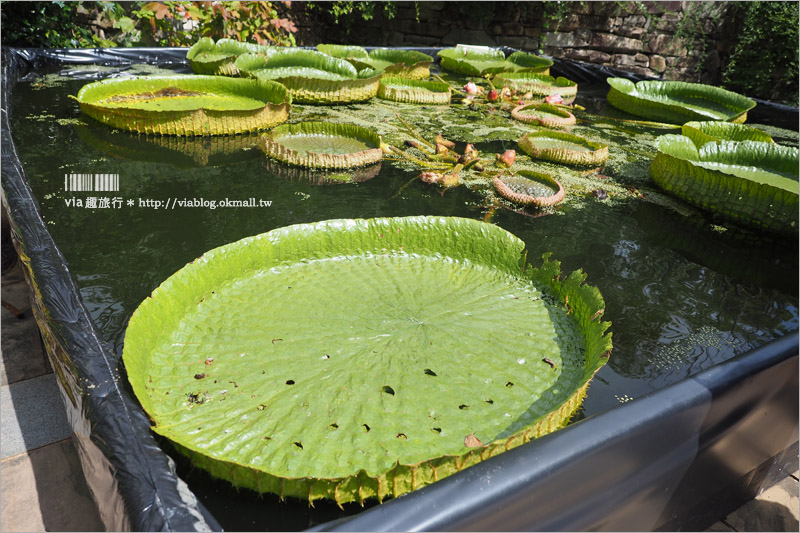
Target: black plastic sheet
(676, 459)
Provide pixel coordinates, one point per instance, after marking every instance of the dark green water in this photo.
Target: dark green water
(680, 297)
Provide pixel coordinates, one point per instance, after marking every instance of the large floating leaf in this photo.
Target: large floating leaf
(478, 61)
(677, 102)
(186, 105)
(751, 183)
(703, 132)
(207, 57)
(414, 91)
(563, 148)
(311, 76)
(355, 359)
(404, 63)
(323, 145)
(538, 84)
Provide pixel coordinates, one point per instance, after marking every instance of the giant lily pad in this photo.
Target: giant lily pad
(295, 362)
(311, 76)
(537, 84)
(529, 188)
(403, 63)
(546, 115)
(414, 91)
(186, 105)
(750, 183)
(563, 148)
(208, 57)
(677, 102)
(323, 145)
(703, 132)
(479, 61)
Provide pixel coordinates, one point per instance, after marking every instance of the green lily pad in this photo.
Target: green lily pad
(703, 132)
(208, 57)
(400, 63)
(414, 91)
(538, 84)
(749, 182)
(479, 61)
(677, 102)
(323, 145)
(186, 105)
(315, 176)
(311, 76)
(294, 362)
(546, 115)
(563, 148)
(529, 188)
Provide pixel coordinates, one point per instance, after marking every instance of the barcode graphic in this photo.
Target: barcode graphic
(91, 182)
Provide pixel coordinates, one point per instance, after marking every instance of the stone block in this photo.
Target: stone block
(606, 8)
(668, 22)
(531, 31)
(590, 56)
(658, 63)
(609, 42)
(623, 60)
(512, 29)
(466, 36)
(641, 60)
(656, 8)
(667, 45)
(564, 40)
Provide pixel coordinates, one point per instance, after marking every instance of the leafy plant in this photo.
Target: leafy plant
(764, 62)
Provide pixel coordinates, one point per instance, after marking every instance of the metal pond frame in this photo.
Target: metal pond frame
(676, 459)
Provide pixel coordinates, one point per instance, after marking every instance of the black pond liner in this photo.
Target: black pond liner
(676, 459)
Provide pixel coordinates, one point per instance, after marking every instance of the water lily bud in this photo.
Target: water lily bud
(492, 95)
(507, 158)
(441, 149)
(449, 180)
(385, 148)
(554, 99)
(430, 177)
(471, 88)
(470, 151)
(505, 92)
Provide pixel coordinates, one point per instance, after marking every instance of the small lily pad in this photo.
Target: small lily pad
(414, 91)
(389, 61)
(703, 132)
(186, 105)
(208, 57)
(563, 148)
(529, 188)
(546, 115)
(323, 145)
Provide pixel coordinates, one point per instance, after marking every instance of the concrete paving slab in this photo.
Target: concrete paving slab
(33, 415)
(775, 509)
(45, 490)
(20, 344)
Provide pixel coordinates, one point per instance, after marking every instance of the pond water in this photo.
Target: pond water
(682, 296)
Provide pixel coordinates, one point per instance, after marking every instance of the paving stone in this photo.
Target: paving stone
(33, 415)
(45, 490)
(775, 509)
(20, 343)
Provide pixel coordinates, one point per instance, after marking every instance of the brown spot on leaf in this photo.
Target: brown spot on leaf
(471, 441)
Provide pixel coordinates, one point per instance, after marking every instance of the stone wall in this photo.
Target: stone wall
(672, 40)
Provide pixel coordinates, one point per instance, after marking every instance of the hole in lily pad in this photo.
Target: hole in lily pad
(463, 406)
(388, 390)
(489, 401)
(436, 430)
(366, 427)
(290, 382)
(298, 444)
(334, 426)
(509, 384)
(430, 372)
(402, 436)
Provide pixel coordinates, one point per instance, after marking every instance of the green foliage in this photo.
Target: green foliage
(171, 23)
(348, 13)
(764, 61)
